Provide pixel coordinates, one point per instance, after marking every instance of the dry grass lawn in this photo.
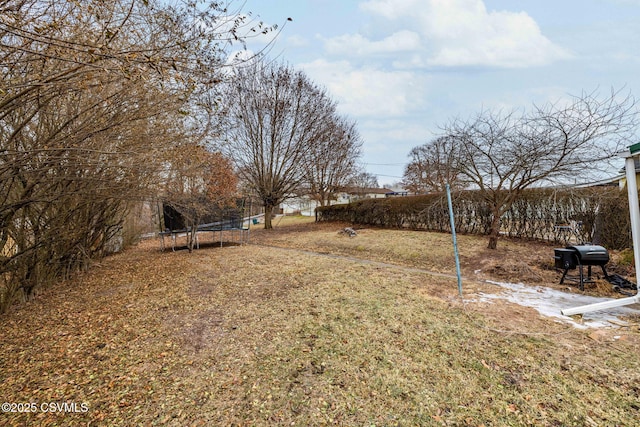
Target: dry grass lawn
(305, 326)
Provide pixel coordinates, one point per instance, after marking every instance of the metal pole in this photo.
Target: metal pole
(455, 242)
(634, 210)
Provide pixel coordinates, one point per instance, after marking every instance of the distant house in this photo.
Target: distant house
(619, 180)
(304, 205)
(351, 194)
(622, 178)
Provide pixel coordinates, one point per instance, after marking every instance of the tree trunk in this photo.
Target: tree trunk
(494, 231)
(268, 213)
(191, 237)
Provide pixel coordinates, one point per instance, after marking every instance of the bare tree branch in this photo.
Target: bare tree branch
(501, 154)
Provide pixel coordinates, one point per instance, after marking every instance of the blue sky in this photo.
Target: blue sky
(403, 68)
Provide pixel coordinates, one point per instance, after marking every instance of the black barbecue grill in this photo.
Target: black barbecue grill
(578, 256)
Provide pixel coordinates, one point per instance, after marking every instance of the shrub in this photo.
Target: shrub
(597, 214)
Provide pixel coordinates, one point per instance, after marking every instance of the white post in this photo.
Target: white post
(634, 209)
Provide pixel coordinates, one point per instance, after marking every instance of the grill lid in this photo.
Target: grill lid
(591, 254)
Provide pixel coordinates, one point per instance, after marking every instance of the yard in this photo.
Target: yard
(307, 326)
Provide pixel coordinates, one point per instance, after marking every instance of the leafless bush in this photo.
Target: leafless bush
(95, 96)
(599, 214)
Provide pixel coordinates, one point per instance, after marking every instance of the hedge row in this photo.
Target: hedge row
(601, 212)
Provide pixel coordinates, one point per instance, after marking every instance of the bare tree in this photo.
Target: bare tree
(332, 161)
(93, 100)
(361, 183)
(276, 115)
(432, 167)
(502, 154)
(364, 180)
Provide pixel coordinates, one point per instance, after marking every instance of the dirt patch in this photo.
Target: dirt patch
(516, 271)
(196, 331)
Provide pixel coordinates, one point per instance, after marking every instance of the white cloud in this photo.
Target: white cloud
(452, 33)
(297, 41)
(367, 92)
(355, 44)
(396, 134)
(390, 9)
